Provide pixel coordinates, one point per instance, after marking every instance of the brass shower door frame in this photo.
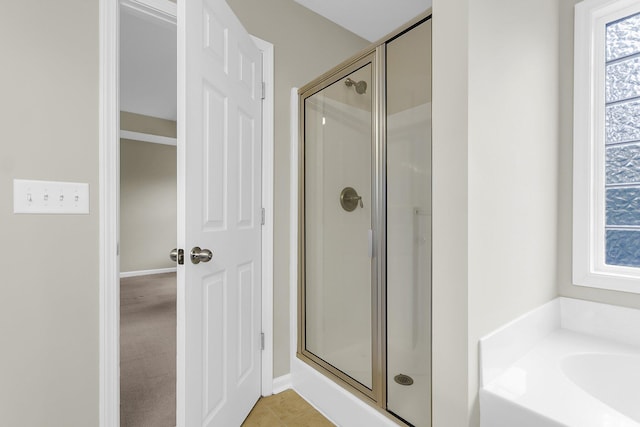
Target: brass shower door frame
(375, 55)
(373, 394)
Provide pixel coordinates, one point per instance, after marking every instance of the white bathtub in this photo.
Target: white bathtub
(571, 363)
(613, 379)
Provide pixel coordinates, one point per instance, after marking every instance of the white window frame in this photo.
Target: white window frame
(589, 268)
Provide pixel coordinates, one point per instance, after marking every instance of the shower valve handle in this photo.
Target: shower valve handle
(358, 198)
(349, 199)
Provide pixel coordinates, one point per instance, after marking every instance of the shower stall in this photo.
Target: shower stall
(364, 309)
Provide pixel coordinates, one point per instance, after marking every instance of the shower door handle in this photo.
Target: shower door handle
(370, 242)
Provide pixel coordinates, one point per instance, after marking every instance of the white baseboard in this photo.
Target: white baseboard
(281, 384)
(147, 272)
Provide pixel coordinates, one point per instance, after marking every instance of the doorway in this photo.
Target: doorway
(109, 200)
(148, 217)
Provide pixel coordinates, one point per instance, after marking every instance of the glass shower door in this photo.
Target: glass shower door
(337, 291)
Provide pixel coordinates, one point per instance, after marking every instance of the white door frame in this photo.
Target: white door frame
(267, 203)
(109, 183)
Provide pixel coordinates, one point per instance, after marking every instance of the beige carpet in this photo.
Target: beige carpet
(148, 351)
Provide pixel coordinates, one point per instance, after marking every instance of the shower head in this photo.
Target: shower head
(361, 86)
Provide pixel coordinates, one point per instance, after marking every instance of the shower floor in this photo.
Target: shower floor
(408, 401)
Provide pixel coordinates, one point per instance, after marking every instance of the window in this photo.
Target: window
(606, 210)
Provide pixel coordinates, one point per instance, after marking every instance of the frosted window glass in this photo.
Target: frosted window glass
(623, 80)
(623, 206)
(623, 37)
(623, 164)
(623, 248)
(622, 133)
(622, 122)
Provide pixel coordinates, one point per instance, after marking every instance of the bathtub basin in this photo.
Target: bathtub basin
(613, 379)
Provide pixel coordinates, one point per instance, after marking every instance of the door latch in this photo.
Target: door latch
(177, 255)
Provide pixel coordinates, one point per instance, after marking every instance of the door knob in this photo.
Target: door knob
(198, 255)
(177, 255)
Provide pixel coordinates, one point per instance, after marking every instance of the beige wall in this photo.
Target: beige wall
(148, 194)
(147, 205)
(496, 151)
(450, 217)
(565, 184)
(306, 45)
(147, 124)
(49, 288)
(513, 164)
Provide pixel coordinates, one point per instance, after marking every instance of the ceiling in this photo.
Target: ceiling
(148, 47)
(370, 19)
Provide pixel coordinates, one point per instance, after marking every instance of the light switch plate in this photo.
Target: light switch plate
(50, 197)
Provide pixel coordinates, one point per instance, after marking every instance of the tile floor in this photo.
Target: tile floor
(286, 409)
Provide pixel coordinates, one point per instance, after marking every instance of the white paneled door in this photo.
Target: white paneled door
(219, 209)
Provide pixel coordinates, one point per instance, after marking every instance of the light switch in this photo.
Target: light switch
(50, 197)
